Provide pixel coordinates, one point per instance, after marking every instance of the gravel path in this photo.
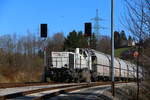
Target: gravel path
(94, 93)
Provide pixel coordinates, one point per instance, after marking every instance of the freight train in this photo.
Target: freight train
(86, 65)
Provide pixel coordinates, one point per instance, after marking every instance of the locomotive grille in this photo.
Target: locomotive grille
(71, 61)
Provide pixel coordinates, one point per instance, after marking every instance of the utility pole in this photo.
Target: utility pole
(112, 47)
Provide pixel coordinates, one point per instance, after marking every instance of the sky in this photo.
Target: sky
(21, 16)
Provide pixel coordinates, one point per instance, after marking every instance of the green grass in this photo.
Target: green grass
(120, 50)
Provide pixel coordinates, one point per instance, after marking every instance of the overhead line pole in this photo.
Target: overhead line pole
(112, 47)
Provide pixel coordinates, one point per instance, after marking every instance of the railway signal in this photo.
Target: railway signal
(43, 30)
(43, 33)
(88, 29)
(88, 32)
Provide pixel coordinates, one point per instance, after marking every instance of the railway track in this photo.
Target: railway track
(18, 94)
(11, 85)
(46, 93)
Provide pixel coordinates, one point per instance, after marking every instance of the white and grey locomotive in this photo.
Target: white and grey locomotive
(86, 65)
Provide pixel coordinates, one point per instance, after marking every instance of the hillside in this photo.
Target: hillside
(120, 50)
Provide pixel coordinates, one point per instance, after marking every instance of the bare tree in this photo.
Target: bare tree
(56, 43)
(58, 40)
(104, 45)
(138, 18)
(138, 23)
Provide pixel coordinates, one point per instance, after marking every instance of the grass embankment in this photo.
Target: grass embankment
(120, 50)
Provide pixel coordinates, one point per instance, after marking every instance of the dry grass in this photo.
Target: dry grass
(130, 93)
(21, 75)
(28, 71)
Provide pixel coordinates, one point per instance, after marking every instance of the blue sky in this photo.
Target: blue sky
(18, 16)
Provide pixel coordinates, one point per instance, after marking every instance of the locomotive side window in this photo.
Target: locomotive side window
(94, 60)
